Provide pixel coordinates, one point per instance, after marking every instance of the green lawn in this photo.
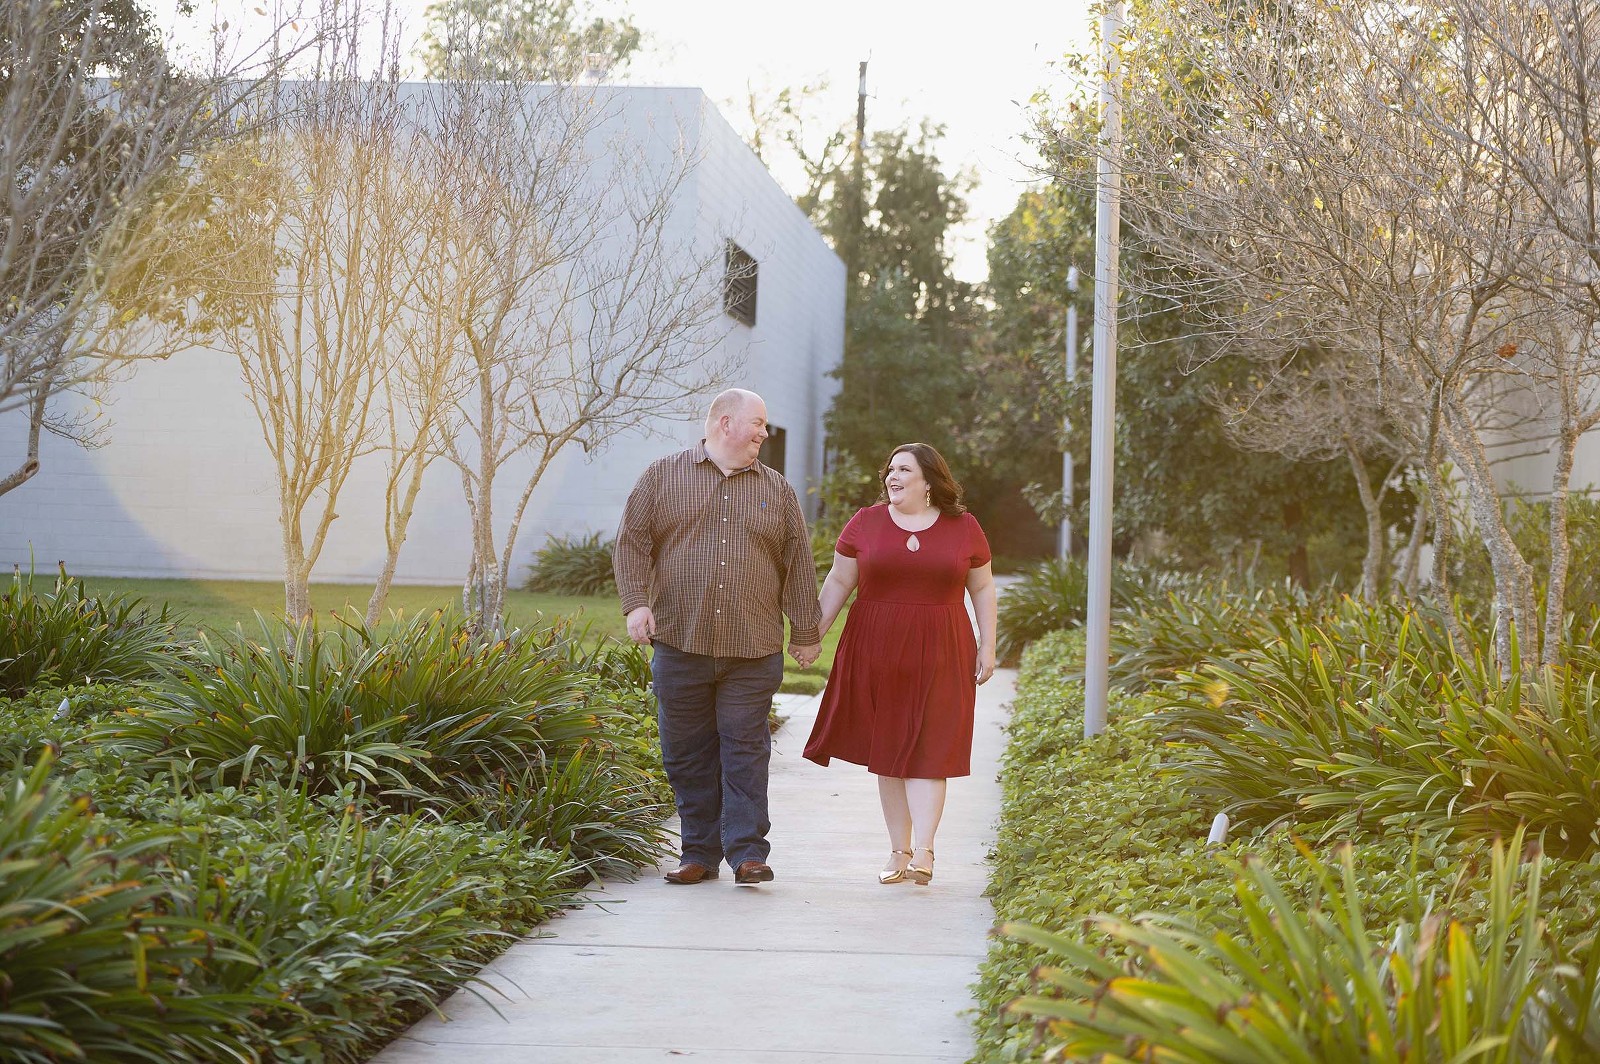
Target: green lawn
(216, 605)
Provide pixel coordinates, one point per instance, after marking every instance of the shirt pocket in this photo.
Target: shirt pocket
(765, 527)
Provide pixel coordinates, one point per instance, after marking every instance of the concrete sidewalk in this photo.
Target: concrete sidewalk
(823, 965)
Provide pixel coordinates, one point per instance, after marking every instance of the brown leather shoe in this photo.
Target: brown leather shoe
(689, 873)
(750, 873)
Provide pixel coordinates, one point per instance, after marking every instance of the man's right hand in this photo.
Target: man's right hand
(641, 625)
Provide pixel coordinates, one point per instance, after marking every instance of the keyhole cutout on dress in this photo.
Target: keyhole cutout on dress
(913, 544)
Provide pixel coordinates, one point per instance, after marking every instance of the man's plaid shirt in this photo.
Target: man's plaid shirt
(716, 557)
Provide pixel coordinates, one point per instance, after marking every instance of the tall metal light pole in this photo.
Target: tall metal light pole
(1066, 419)
(1102, 427)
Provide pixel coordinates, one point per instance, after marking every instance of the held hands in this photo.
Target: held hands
(985, 664)
(641, 625)
(806, 656)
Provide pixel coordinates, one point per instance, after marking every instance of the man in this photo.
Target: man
(711, 553)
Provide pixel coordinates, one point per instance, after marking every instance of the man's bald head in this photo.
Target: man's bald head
(731, 403)
(736, 426)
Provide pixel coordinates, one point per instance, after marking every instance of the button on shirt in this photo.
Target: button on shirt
(718, 558)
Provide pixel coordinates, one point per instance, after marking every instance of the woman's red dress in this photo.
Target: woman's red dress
(900, 697)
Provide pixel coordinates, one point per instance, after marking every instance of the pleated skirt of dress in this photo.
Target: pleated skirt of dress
(901, 694)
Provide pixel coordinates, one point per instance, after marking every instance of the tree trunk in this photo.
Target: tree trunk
(1372, 506)
(1443, 544)
(1407, 577)
(1515, 615)
(30, 463)
(297, 593)
(1555, 609)
(380, 590)
(484, 593)
(395, 529)
(483, 598)
(296, 573)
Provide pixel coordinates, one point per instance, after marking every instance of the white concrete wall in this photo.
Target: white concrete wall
(1524, 461)
(184, 484)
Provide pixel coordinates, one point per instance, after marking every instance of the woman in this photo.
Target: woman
(900, 697)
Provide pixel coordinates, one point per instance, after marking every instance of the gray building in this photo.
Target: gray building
(184, 484)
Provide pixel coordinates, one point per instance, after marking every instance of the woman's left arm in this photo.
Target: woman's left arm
(980, 585)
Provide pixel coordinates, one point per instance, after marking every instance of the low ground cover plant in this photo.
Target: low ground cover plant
(94, 964)
(1101, 853)
(283, 848)
(573, 565)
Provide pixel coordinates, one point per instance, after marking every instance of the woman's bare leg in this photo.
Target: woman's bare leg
(897, 818)
(925, 800)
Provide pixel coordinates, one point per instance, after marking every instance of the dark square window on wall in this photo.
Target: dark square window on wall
(739, 286)
(772, 449)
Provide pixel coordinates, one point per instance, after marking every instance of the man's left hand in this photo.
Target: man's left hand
(805, 656)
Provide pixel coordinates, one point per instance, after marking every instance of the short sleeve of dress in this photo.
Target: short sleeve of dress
(977, 544)
(850, 539)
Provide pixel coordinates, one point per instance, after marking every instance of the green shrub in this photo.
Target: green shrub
(604, 813)
(1173, 629)
(60, 635)
(1101, 826)
(93, 962)
(1053, 595)
(409, 712)
(358, 917)
(573, 565)
(1306, 983)
(1372, 720)
(1268, 717)
(349, 907)
(1050, 597)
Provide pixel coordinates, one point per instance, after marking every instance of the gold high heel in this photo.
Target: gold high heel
(922, 875)
(893, 875)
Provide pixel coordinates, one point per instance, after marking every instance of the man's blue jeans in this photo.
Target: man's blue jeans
(717, 748)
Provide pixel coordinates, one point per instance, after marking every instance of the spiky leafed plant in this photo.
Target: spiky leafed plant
(403, 712)
(573, 565)
(57, 633)
(1301, 984)
(1373, 719)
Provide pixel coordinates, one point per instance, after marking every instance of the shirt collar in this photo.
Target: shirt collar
(703, 455)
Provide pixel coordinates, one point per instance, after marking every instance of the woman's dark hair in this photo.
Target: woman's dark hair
(943, 491)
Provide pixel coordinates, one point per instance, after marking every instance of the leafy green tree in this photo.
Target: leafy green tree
(522, 40)
(897, 383)
(1019, 361)
(909, 322)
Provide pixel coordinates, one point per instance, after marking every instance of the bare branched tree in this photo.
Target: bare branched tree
(1535, 113)
(98, 132)
(1323, 177)
(416, 389)
(317, 215)
(1319, 408)
(581, 305)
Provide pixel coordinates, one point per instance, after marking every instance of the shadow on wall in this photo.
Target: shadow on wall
(80, 510)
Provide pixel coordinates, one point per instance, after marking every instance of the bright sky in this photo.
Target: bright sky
(969, 66)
